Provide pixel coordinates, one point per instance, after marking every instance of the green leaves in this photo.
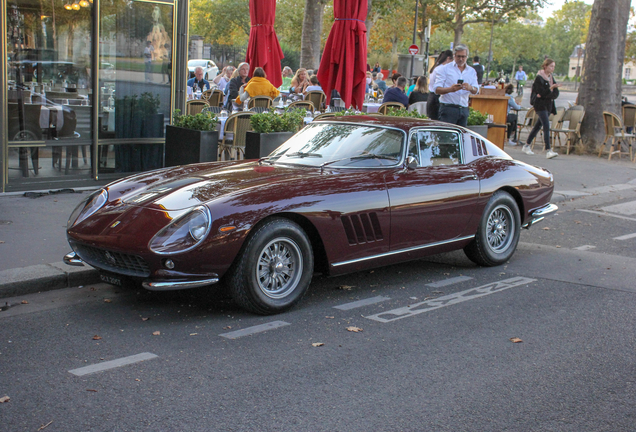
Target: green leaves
(268, 122)
(206, 121)
(475, 118)
(403, 112)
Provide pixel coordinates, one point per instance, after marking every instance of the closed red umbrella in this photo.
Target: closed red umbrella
(344, 61)
(263, 49)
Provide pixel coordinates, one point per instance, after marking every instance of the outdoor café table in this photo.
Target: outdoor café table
(371, 107)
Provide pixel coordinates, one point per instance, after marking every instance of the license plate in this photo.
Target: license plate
(110, 279)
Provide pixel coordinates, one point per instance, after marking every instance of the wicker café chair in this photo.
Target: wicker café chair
(615, 130)
(195, 106)
(303, 104)
(237, 125)
(260, 102)
(386, 105)
(573, 116)
(216, 98)
(317, 97)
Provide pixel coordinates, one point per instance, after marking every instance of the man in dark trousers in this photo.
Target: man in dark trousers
(479, 69)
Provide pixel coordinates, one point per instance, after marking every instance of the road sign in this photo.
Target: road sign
(414, 49)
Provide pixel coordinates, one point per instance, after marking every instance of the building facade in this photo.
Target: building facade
(87, 88)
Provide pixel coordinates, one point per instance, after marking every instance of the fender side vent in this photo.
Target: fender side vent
(362, 228)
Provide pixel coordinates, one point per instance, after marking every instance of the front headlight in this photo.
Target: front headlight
(87, 207)
(183, 233)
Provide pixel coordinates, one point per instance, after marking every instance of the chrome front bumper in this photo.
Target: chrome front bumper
(541, 213)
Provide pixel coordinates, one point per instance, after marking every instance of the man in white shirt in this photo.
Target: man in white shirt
(454, 83)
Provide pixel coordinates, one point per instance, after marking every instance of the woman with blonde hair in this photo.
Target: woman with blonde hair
(544, 91)
(299, 82)
(420, 92)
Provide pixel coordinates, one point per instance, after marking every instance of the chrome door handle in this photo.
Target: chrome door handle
(472, 176)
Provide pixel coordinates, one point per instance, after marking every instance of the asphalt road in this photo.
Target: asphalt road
(433, 351)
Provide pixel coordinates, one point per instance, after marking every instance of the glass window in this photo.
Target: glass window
(49, 87)
(134, 82)
(439, 148)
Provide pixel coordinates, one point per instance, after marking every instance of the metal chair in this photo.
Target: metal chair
(304, 104)
(258, 110)
(317, 97)
(615, 130)
(260, 102)
(212, 109)
(195, 106)
(573, 116)
(386, 105)
(237, 124)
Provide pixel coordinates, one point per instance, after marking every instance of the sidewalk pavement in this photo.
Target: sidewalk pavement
(33, 238)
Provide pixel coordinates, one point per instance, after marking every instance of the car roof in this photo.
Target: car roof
(404, 123)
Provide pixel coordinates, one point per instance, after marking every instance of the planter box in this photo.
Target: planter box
(479, 130)
(187, 146)
(258, 145)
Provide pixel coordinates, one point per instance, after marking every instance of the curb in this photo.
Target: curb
(44, 277)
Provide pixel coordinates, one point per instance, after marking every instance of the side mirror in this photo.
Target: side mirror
(411, 163)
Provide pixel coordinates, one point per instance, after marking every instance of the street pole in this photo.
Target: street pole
(417, 5)
(428, 39)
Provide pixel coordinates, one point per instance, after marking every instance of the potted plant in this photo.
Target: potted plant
(403, 112)
(191, 139)
(270, 130)
(477, 122)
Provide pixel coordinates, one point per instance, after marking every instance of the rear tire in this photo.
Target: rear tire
(274, 269)
(498, 233)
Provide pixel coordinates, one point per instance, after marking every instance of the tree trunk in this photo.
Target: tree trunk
(601, 82)
(312, 31)
(459, 22)
(394, 49)
(368, 22)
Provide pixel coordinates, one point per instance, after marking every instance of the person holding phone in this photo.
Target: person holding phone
(454, 83)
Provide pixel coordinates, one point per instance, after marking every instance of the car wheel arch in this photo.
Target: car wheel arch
(514, 193)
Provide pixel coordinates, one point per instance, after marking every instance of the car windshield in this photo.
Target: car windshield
(195, 63)
(341, 145)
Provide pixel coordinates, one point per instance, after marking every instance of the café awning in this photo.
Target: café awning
(344, 61)
(263, 49)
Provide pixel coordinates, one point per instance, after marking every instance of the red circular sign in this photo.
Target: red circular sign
(414, 49)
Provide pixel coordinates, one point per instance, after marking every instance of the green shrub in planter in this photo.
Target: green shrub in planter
(348, 112)
(206, 121)
(475, 118)
(268, 122)
(403, 112)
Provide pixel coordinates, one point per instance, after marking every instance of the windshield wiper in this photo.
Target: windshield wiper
(303, 154)
(265, 159)
(374, 156)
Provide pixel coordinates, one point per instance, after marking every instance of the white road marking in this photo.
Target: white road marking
(99, 367)
(450, 281)
(606, 214)
(625, 237)
(254, 329)
(584, 247)
(628, 208)
(360, 303)
(448, 300)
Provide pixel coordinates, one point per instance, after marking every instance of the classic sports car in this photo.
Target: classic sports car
(341, 195)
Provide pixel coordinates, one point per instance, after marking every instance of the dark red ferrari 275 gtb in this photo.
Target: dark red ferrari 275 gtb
(342, 195)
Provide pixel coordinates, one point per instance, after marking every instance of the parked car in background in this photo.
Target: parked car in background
(342, 195)
(210, 70)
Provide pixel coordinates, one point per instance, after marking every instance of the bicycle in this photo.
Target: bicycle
(520, 85)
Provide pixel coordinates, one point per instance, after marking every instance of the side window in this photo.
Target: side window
(439, 148)
(414, 148)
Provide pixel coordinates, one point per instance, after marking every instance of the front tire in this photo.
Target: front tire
(274, 269)
(498, 233)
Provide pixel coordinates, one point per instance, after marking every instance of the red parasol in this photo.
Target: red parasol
(263, 49)
(344, 61)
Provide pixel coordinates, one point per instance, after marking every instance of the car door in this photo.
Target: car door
(435, 201)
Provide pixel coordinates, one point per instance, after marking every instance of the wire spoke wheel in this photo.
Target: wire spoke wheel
(500, 229)
(279, 267)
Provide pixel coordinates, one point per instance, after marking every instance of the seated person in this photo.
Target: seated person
(396, 94)
(420, 92)
(299, 82)
(511, 119)
(379, 82)
(288, 74)
(259, 85)
(369, 83)
(394, 79)
(315, 85)
(224, 77)
(235, 84)
(198, 81)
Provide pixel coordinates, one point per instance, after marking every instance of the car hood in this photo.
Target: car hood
(181, 188)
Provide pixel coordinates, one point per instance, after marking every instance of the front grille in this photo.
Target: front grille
(117, 262)
(362, 228)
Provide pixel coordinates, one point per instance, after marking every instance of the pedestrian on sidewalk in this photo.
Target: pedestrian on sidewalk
(544, 91)
(432, 107)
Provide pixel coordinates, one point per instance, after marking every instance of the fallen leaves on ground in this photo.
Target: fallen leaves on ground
(156, 333)
(317, 344)
(354, 329)
(515, 340)
(227, 328)
(345, 287)
(145, 319)
(108, 301)
(45, 426)
(5, 399)
(329, 317)
(546, 228)
(24, 302)
(193, 334)
(91, 390)
(97, 337)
